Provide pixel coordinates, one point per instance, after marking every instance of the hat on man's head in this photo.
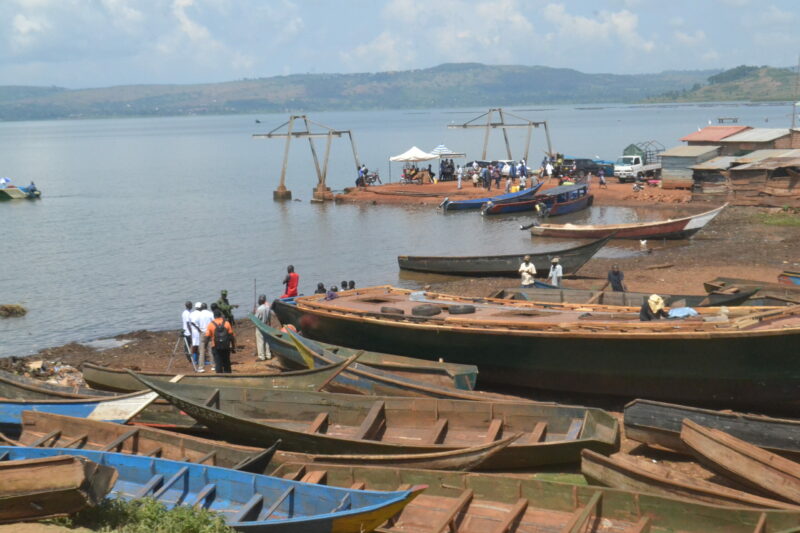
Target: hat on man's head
(555, 260)
(198, 305)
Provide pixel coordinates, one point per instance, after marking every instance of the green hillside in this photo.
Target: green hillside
(448, 85)
(743, 83)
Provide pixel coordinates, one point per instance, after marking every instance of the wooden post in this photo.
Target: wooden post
(486, 135)
(528, 142)
(322, 188)
(547, 134)
(282, 193)
(505, 132)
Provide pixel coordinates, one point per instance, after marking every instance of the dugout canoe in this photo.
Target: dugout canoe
(571, 259)
(57, 431)
(755, 467)
(546, 293)
(627, 472)
(248, 502)
(679, 228)
(49, 487)
(331, 423)
(488, 503)
(116, 379)
(766, 293)
(659, 424)
(362, 379)
(16, 387)
(477, 203)
(435, 372)
(748, 354)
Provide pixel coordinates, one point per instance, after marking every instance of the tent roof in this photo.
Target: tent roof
(443, 151)
(414, 154)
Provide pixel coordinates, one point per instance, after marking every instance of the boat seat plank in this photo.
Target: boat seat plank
(495, 430)
(436, 434)
(274, 507)
(154, 453)
(373, 423)
(581, 516)
(205, 494)
(53, 435)
(643, 525)
(150, 486)
(761, 526)
(170, 482)
(317, 477)
(358, 485)
(116, 443)
(320, 424)
(574, 429)
(512, 517)
(4, 456)
(460, 504)
(539, 433)
(78, 442)
(210, 455)
(213, 398)
(296, 475)
(246, 513)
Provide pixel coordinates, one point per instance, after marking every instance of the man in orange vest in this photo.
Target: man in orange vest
(223, 343)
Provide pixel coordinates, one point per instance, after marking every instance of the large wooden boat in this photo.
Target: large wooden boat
(571, 259)
(340, 423)
(734, 458)
(362, 379)
(546, 293)
(678, 228)
(248, 502)
(626, 472)
(748, 354)
(477, 203)
(766, 293)
(116, 379)
(57, 431)
(659, 424)
(47, 487)
(16, 387)
(435, 372)
(488, 503)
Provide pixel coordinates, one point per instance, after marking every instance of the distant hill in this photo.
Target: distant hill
(743, 83)
(448, 85)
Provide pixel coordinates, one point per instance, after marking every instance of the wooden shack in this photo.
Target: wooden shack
(677, 163)
(711, 135)
(774, 181)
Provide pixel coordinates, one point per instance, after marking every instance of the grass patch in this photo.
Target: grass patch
(9, 310)
(145, 516)
(784, 218)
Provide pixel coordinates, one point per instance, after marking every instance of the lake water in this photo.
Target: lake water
(139, 215)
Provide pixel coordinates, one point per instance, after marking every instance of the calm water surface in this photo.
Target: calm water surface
(139, 215)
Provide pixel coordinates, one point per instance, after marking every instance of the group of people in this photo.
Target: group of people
(209, 329)
(553, 166)
(491, 173)
(332, 291)
(447, 170)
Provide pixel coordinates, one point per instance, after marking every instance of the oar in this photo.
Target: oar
(350, 361)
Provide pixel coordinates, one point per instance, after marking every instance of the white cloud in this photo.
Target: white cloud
(26, 29)
(621, 26)
(774, 15)
(690, 39)
(385, 52)
(710, 56)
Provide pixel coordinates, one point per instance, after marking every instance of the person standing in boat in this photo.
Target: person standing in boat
(616, 279)
(527, 272)
(291, 281)
(262, 313)
(652, 309)
(556, 272)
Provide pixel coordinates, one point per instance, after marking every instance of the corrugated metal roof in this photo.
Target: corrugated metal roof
(758, 155)
(722, 162)
(688, 151)
(714, 133)
(757, 135)
(772, 163)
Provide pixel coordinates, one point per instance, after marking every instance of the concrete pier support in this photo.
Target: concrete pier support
(281, 193)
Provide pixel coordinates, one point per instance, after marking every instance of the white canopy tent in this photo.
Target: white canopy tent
(413, 155)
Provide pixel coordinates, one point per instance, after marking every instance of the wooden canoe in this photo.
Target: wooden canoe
(250, 503)
(361, 379)
(327, 423)
(477, 203)
(436, 372)
(553, 294)
(766, 293)
(47, 487)
(572, 259)
(746, 463)
(659, 424)
(57, 431)
(789, 277)
(678, 228)
(489, 503)
(119, 380)
(16, 387)
(626, 472)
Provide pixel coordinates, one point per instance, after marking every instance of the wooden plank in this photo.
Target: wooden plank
(460, 504)
(495, 430)
(317, 477)
(245, 513)
(539, 432)
(574, 429)
(171, 481)
(205, 493)
(358, 485)
(212, 399)
(320, 424)
(581, 516)
(81, 439)
(436, 434)
(52, 435)
(210, 455)
(116, 443)
(512, 517)
(761, 526)
(274, 507)
(150, 486)
(341, 369)
(154, 453)
(373, 422)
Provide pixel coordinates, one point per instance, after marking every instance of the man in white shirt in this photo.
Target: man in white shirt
(459, 175)
(205, 318)
(555, 273)
(527, 271)
(187, 332)
(262, 313)
(197, 333)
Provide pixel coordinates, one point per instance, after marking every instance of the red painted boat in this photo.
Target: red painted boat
(678, 228)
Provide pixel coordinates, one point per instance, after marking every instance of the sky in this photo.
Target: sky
(99, 43)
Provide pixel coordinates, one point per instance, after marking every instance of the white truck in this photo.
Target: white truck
(639, 161)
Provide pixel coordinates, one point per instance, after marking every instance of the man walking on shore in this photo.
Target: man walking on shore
(223, 343)
(262, 313)
(187, 329)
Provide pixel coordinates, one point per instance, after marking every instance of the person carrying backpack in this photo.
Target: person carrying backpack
(223, 343)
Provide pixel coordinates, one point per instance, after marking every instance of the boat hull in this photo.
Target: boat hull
(735, 370)
(477, 203)
(789, 278)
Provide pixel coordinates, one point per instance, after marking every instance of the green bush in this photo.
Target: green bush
(788, 217)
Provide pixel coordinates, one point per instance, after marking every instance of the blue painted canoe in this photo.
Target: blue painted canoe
(249, 502)
(789, 277)
(503, 208)
(118, 409)
(565, 199)
(477, 203)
